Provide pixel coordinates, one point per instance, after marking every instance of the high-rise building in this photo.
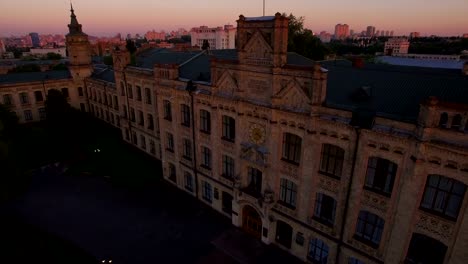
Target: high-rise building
(36, 41)
(217, 38)
(325, 37)
(341, 31)
(370, 31)
(391, 33)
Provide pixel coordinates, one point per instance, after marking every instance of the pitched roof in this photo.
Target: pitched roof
(299, 60)
(427, 63)
(104, 73)
(33, 76)
(392, 91)
(149, 58)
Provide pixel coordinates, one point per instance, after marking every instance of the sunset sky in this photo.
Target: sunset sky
(106, 18)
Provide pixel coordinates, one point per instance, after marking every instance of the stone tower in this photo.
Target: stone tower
(263, 41)
(79, 50)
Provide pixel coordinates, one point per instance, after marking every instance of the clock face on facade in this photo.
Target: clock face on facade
(257, 134)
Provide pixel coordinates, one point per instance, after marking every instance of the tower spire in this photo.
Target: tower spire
(74, 27)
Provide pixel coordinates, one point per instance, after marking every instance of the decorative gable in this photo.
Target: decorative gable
(293, 97)
(226, 85)
(257, 50)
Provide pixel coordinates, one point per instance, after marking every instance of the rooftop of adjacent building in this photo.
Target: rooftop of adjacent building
(391, 91)
(24, 77)
(425, 63)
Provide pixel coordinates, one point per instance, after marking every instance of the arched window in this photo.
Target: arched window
(380, 175)
(369, 228)
(443, 196)
(80, 91)
(318, 251)
(443, 120)
(456, 122)
(424, 249)
(332, 160)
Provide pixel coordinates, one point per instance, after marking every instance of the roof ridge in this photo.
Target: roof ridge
(192, 58)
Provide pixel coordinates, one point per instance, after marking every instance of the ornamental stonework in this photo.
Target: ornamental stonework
(285, 210)
(289, 170)
(375, 201)
(441, 229)
(329, 184)
(365, 248)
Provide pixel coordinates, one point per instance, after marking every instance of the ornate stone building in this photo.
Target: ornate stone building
(332, 162)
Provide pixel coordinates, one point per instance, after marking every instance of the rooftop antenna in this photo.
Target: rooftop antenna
(263, 7)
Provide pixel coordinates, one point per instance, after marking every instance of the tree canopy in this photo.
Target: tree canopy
(301, 40)
(57, 107)
(131, 47)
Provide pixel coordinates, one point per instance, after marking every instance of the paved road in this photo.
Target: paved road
(156, 224)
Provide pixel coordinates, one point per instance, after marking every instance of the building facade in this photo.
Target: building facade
(396, 46)
(316, 159)
(218, 38)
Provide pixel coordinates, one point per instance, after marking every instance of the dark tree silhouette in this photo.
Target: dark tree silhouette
(131, 47)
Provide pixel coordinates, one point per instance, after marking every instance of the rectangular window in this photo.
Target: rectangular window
(148, 99)
(125, 114)
(443, 196)
(130, 91)
(292, 148)
(207, 192)
(42, 113)
(187, 149)
(205, 121)
(38, 96)
(227, 202)
(116, 103)
(380, 175)
(228, 167)
(167, 110)
(188, 182)
(288, 192)
(143, 142)
(80, 91)
(132, 114)
(28, 115)
(332, 160)
(82, 107)
(150, 122)
(172, 173)
(229, 128)
(152, 147)
(325, 207)
(141, 118)
(65, 92)
(134, 138)
(24, 98)
(185, 115)
(7, 99)
(255, 181)
(170, 142)
(206, 158)
(138, 93)
(122, 89)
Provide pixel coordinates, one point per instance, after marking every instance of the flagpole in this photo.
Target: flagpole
(263, 7)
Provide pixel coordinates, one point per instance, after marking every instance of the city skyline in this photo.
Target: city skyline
(138, 16)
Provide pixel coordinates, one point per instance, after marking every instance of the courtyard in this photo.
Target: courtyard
(113, 204)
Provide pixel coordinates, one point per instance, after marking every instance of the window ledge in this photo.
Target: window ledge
(205, 132)
(437, 214)
(228, 139)
(366, 242)
(282, 203)
(185, 125)
(329, 175)
(379, 192)
(323, 221)
(187, 158)
(290, 161)
(205, 167)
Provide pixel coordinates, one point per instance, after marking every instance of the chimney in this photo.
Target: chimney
(465, 68)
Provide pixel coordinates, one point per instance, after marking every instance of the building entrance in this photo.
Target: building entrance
(251, 222)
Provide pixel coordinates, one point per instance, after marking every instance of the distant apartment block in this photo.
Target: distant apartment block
(341, 31)
(2, 47)
(43, 52)
(153, 35)
(396, 46)
(465, 35)
(325, 37)
(370, 32)
(218, 38)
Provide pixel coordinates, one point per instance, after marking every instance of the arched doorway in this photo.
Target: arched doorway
(251, 221)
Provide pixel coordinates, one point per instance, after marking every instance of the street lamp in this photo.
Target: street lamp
(191, 88)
